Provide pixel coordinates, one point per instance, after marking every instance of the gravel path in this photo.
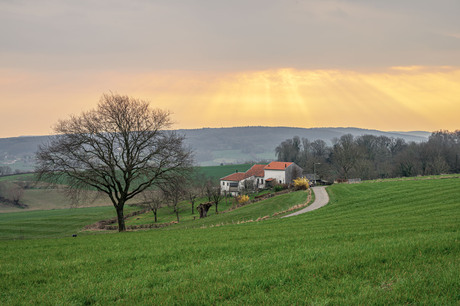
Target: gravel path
(321, 199)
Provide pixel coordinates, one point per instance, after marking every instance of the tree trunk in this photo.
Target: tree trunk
(176, 209)
(192, 206)
(200, 210)
(121, 219)
(203, 209)
(216, 207)
(155, 214)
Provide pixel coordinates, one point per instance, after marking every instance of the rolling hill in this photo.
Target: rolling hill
(213, 146)
(392, 242)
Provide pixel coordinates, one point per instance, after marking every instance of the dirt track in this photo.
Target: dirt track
(321, 199)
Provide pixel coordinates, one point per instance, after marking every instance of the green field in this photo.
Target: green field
(248, 212)
(37, 197)
(391, 242)
(55, 223)
(58, 223)
(217, 172)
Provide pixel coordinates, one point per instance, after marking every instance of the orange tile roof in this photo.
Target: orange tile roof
(256, 170)
(236, 177)
(276, 165)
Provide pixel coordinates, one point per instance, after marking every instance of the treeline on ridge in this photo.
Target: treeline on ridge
(372, 157)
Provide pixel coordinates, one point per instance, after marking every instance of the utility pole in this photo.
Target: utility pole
(314, 169)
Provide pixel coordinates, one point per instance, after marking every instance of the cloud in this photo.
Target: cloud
(221, 35)
(224, 63)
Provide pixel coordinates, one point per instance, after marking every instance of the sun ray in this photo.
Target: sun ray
(412, 98)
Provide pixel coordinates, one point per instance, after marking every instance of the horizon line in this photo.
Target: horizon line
(265, 126)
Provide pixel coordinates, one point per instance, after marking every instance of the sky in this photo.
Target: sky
(391, 65)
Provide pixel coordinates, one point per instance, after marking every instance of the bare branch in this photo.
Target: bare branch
(120, 148)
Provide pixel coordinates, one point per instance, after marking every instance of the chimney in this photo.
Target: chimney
(285, 165)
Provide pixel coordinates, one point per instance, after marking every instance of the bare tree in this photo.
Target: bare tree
(289, 150)
(16, 193)
(12, 193)
(175, 190)
(320, 150)
(5, 170)
(154, 199)
(214, 194)
(407, 162)
(195, 188)
(193, 193)
(345, 154)
(120, 148)
(249, 185)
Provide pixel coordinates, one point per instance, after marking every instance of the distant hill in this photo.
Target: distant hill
(213, 146)
(240, 144)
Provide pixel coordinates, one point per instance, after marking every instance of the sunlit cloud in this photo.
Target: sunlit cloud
(398, 98)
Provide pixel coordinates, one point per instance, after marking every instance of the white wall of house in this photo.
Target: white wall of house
(240, 185)
(278, 175)
(225, 187)
(284, 176)
(260, 182)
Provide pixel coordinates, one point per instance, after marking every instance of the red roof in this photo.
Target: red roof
(256, 170)
(275, 165)
(269, 179)
(236, 177)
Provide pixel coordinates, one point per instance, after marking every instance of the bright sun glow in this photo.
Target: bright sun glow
(399, 98)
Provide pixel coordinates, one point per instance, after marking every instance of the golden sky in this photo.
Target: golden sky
(388, 65)
(397, 98)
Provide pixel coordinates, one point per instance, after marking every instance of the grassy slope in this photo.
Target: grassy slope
(382, 243)
(39, 198)
(248, 212)
(18, 177)
(52, 223)
(64, 222)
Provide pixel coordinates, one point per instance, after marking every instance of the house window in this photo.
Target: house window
(280, 181)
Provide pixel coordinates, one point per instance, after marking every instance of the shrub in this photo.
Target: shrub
(242, 199)
(279, 187)
(301, 183)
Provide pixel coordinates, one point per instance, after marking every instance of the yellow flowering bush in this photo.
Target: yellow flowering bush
(301, 183)
(243, 199)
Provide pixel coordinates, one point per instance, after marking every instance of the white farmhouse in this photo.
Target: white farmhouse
(233, 183)
(260, 176)
(256, 174)
(236, 182)
(281, 172)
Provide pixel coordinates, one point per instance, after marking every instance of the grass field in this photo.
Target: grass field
(217, 172)
(39, 198)
(374, 243)
(56, 223)
(248, 212)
